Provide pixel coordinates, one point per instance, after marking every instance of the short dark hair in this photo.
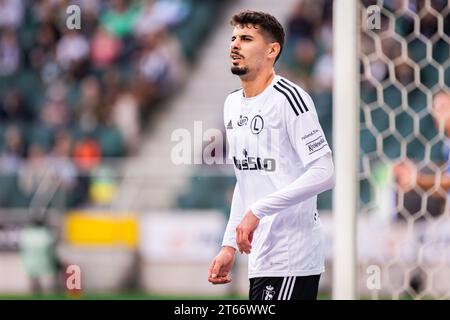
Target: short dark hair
(270, 26)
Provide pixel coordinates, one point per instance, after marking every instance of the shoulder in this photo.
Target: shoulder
(235, 90)
(233, 96)
(293, 96)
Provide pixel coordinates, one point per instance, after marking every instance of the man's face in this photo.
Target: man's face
(248, 50)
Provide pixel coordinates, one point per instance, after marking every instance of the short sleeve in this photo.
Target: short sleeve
(305, 132)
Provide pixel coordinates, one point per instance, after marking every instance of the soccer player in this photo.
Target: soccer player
(282, 161)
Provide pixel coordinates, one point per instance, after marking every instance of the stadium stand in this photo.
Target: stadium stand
(86, 95)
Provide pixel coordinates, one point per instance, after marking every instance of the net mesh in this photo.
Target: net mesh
(403, 221)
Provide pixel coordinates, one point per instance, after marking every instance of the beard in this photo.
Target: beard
(239, 71)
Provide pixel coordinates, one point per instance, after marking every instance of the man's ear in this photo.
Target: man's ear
(274, 49)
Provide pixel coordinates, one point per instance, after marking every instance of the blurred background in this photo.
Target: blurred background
(91, 120)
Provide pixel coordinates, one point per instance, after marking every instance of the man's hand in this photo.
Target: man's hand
(219, 270)
(406, 175)
(245, 231)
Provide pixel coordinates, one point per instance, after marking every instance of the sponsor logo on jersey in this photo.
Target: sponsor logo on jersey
(254, 163)
(230, 125)
(242, 120)
(257, 124)
(316, 145)
(306, 136)
(268, 293)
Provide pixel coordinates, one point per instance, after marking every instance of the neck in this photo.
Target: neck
(253, 87)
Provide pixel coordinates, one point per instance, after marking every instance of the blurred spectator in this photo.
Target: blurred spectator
(406, 172)
(11, 159)
(301, 22)
(305, 56)
(11, 13)
(367, 44)
(119, 19)
(378, 70)
(103, 186)
(160, 14)
(63, 169)
(87, 111)
(44, 49)
(9, 53)
(55, 112)
(111, 80)
(428, 24)
(105, 48)
(87, 154)
(152, 69)
(37, 252)
(32, 173)
(60, 161)
(125, 116)
(91, 10)
(391, 47)
(13, 108)
(153, 65)
(325, 36)
(404, 73)
(323, 72)
(44, 11)
(87, 157)
(72, 50)
(12, 154)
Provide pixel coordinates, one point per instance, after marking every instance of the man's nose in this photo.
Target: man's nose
(235, 45)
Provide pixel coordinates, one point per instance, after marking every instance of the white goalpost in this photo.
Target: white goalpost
(391, 85)
(346, 145)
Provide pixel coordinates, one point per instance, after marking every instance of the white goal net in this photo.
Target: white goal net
(403, 222)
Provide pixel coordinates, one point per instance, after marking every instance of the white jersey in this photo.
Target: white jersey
(273, 138)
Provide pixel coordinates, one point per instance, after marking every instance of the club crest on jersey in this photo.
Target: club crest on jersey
(257, 124)
(269, 293)
(242, 120)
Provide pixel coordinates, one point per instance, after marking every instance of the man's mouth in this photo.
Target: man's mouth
(235, 58)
